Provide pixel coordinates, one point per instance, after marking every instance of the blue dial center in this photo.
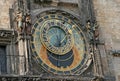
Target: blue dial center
(57, 36)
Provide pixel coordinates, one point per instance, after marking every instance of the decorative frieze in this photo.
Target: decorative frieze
(6, 36)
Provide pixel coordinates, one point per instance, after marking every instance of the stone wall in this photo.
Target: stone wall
(108, 17)
(4, 13)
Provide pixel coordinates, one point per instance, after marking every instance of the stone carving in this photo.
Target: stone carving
(96, 31)
(89, 30)
(19, 19)
(27, 24)
(6, 34)
(93, 33)
(3, 34)
(96, 35)
(4, 79)
(23, 23)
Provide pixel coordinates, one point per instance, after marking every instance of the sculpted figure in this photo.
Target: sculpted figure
(28, 24)
(19, 19)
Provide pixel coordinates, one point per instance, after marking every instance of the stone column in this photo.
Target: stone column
(21, 57)
(26, 55)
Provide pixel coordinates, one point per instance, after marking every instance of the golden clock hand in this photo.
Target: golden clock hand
(63, 39)
(70, 32)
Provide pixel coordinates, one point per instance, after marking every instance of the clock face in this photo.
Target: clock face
(59, 45)
(56, 37)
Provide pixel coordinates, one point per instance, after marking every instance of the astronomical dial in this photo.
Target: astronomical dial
(59, 45)
(56, 37)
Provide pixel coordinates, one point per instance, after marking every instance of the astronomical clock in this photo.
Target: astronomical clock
(54, 40)
(59, 45)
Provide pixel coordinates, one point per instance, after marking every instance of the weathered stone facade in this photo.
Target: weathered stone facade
(106, 13)
(5, 5)
(108, 17)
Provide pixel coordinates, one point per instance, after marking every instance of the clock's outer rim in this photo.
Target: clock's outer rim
(87, 60)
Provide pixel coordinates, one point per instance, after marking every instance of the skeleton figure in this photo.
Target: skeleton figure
(88, 25)
(27, 23)
(89, 32)
(93, 33)
(96, 34)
